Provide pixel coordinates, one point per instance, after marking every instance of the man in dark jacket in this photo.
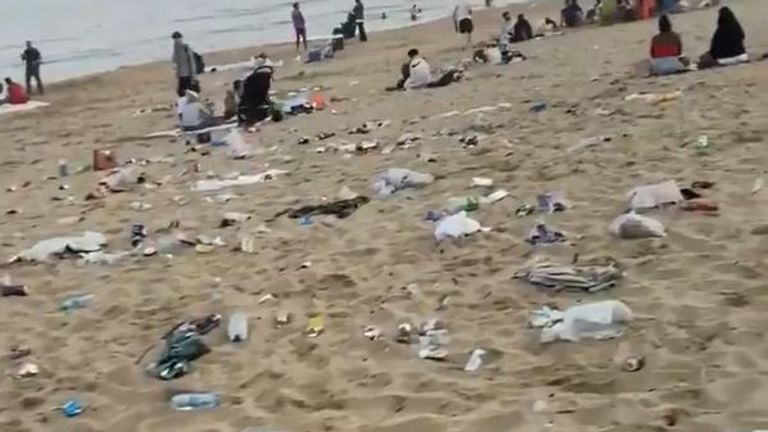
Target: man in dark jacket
(32, 58)
(359, 12)
(523, 29)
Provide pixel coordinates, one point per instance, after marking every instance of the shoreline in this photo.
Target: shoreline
(231, 55)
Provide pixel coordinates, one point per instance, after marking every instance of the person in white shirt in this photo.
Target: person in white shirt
(195, 115)
(462, 20)
(420, 75)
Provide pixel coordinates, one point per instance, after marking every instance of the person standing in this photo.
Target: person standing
(184, 63)
(359, 12)
(462, 19)
(32, 58)
(299, 26)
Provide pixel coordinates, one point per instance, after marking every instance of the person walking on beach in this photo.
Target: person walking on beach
(359, 12)
(184, 63)
(299, 26)
(462, 20)
(32, 58)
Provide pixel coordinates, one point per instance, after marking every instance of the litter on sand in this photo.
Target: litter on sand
(601, 320)
(341, 209)
(574, 277)
(213, 185)
(395, 179)
(635, 226)
(655, 195)
(543, 235)
(58, 246)
(455, 226)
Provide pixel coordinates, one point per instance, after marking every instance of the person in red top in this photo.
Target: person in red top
(666, 50)
(667, 43)
(16, 93)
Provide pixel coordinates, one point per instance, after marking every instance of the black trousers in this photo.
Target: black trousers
(361, 31)
(34, 72)
(187, 83)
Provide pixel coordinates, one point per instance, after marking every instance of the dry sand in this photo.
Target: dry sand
(701, 291)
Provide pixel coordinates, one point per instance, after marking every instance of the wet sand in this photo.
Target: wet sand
(699, 293)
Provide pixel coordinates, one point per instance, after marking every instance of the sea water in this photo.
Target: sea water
(78, 37)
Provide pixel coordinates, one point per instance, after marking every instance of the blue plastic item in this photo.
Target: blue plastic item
(72, 408)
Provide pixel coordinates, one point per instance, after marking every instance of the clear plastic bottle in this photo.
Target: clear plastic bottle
(77, 302)
(237, 328)
(195, 401)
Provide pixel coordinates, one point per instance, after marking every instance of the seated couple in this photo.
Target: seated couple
(416, 74)
(727, 46)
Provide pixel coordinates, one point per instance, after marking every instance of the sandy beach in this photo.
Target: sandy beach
(697, 294)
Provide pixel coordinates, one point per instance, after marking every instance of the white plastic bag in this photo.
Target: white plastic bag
(395, 179)
(635, 226)
(455, 226)
(650, 196)
(601, 320)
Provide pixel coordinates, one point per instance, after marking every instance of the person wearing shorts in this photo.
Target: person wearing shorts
(462, 18)
(299, 26)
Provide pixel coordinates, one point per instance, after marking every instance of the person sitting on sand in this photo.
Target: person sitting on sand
(196, 115)
(727, 46)
(16, 93)
(666, 50)
(523, 30)
(416, 74)
(572, 15)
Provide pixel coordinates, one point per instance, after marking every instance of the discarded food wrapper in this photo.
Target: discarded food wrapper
(233, 218)
(404, 333)
(204, 248)
(315, 325)
(395, 179)
(432, 343)
(543, 235)
(372, 332)
(655, 98)
(72, 408)
(346, 193)
(481, 182)
(267, 297)
(27, 370)
(601, 320)
(282, 318)
(635, 226)
(700, 204)
(655, 195)
(552, 202)
(758, 186)
(475, 360)
(237, 328)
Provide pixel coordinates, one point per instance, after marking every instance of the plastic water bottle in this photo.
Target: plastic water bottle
(77, 302)
(195, 401)
(237, 329)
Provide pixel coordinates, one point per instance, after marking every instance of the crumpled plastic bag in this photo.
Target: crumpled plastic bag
(601, 320)
(183, 345)
(395, 179)
(458, 225)
(42, 251)
(655, 195)
(635, 226)
(541, 234)
(238, 148)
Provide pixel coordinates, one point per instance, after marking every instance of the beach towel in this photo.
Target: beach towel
(29, 106)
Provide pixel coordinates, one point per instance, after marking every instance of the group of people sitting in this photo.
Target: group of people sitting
(247, 102)
(726, 47)
(13, 93)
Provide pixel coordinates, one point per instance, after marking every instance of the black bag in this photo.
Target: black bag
(199, 63)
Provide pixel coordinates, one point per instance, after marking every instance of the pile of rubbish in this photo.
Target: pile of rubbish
(183, 344)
